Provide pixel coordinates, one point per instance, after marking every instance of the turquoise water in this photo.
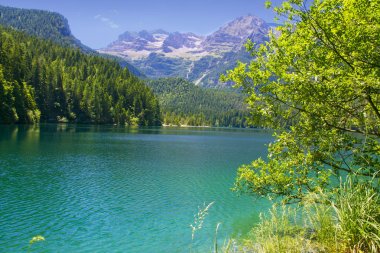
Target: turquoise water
(111, 189)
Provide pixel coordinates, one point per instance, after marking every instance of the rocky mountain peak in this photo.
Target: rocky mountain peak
(127, 36)
(198, 58)
(233, 35)
(244, 26)
(228, 38)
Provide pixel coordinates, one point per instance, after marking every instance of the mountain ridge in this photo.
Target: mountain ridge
(50, 26)
(44, 24)
(198, 58)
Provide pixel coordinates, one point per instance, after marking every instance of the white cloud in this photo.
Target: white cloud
(107, 21)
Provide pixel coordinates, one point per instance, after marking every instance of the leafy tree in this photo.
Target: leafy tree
(317, 83)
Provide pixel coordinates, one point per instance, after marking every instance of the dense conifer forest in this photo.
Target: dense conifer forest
(43, 24)
(43, 81)
(184, 103)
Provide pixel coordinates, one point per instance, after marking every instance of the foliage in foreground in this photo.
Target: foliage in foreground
(317, 84)
(345, 221)
(348, 221)
(40, 80)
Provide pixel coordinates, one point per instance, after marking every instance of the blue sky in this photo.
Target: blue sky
(98, 23)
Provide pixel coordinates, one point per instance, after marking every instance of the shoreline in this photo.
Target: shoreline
(170, 125)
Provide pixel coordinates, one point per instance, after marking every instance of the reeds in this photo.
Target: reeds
(199, 218)
(345, 221)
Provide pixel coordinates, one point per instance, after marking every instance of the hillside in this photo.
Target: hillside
(183, 103)
(43, 81)
(50, 26)
(44, 24)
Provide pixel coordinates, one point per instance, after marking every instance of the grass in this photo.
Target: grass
(289, 229)
(357, 210)
(199, 218)
(346, 221)
(342, 221)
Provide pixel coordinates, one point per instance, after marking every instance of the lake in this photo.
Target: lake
(115, 189)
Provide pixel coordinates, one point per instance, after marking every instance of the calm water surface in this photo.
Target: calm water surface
(111, 189)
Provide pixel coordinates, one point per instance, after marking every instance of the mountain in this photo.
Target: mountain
(43, 24)
(139, 45)
(200, 59)
(50, 26)
(232, 36)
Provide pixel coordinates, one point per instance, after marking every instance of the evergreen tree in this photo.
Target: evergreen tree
(40, 80)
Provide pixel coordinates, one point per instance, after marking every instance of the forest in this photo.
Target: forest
(184, 103)
(43, 81)
(43, 24)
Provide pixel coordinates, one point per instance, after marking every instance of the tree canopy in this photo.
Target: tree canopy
(184, 103)
(40, 80)
(317, 83)
(43, 24)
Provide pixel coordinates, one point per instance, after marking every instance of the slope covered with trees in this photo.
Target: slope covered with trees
(40, 80)
(183, 103)
(44, 24)
(51, 26)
